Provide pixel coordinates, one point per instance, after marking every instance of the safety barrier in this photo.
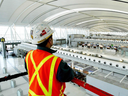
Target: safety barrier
(91, 88)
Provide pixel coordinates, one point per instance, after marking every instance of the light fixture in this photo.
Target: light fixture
(121, 60)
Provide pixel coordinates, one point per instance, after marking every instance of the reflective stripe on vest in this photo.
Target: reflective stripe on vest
(49, 92)
(61, 91)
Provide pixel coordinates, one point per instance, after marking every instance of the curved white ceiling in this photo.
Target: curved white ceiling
(89, 14)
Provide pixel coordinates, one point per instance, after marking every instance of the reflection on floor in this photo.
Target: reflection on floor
(14, 65)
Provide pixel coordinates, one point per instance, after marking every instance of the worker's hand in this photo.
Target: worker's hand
(76, 73)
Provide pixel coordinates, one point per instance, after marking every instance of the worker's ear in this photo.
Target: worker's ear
(51, 41)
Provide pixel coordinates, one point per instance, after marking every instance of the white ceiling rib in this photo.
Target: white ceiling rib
(28, 10)
(104, 19)
(20, 10)
(41, 15)
(90, 9)
(43, 1)
(21, 14)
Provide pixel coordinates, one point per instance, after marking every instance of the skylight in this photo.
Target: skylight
(49, 19)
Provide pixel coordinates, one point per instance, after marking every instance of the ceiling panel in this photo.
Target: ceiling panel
(68, 13)
(37, 13)
(8, 7)
(48, 14)
(19, 11)
(63, 19)
(28, 10)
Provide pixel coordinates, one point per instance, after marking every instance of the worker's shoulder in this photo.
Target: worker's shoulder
(27, 53)
(57, 57)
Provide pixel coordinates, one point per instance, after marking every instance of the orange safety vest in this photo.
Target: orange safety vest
(42, 71)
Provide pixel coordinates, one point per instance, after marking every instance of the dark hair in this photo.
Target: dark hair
(43, 44)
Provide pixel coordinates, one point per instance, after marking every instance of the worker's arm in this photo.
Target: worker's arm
(64, 73)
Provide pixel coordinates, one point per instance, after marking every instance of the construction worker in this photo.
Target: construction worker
(47, 72)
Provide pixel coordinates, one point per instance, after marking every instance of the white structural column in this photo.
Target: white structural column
(66, 30)
(11, 31)
(0, 89)
(3, 49)
(59, 32)
(56, 35)
(65, 35)
(5, 66)
(69, 41)
(25, 33)
(72, 64)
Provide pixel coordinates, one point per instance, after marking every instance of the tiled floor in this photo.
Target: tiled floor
(15, 65)
(75, 90)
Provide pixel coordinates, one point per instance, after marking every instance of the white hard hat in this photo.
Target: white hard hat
(40, 32)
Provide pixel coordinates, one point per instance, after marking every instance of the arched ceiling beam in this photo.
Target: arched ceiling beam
(81, 10)
(92, 22)
(68, 21)
(108, 22)
(106, 26)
